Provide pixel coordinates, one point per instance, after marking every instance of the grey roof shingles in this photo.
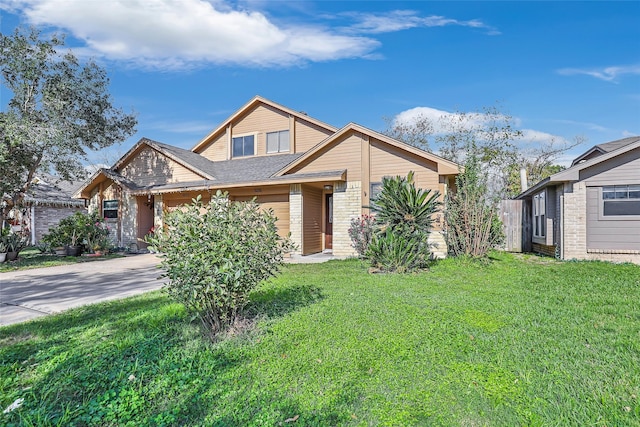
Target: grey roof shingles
(229, 171)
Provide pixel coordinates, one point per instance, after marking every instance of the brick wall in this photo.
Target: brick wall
(549, 250)
(575, 222)
(49, 216)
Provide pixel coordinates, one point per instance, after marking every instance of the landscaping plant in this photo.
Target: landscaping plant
(360, 232)
(215, 254)
(472, 224)
(404, 217)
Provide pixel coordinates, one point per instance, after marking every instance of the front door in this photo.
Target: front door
(328, 222)
(145, 219)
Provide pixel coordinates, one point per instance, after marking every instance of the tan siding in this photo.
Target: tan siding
(390, 161)
(149, 167)
(217, 150)
(311, 220)
(344, 154)
(173, 201)
(611, 234)
(624, 169)
(308, 135)
(260, 120)
(280, 205)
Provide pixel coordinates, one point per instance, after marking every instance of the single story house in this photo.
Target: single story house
(45, 204)
(314, 176)
(590, 211)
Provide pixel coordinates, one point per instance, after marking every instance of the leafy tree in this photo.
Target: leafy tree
(403, 220)
(215, 254)
(59, 109)
(491, 137)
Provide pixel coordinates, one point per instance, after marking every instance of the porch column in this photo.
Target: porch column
(158, 209)
(295, 216)
(347, 204)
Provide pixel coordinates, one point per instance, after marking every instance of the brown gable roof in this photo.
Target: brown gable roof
(445, 167)
(253, 102)
(190, 160)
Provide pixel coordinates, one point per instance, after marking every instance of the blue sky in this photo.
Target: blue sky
(561, 69)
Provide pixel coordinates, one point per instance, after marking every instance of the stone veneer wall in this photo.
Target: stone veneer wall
(347, 204)
(575, 222)
(437, 244)
(295, 216)
(129, 219)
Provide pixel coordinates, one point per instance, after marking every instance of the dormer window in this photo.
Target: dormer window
(243, 146)
(278, 142)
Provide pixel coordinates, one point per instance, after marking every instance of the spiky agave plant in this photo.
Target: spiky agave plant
(406, 212)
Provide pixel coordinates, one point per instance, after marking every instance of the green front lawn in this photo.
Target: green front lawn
(520, 341)
(32, 258)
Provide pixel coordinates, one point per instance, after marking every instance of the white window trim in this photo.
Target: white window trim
(539, 238)
(266, 142)
(603, 217)
(241, 135)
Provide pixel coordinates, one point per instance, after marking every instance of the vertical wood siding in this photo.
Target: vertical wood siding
(149, 167)
(308, 135)
(311, 220)
(217, 150)
(342, 154)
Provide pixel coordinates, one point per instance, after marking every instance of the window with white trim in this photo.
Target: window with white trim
(243, 145)
(278, 142)
(621, 200)
(539, 210)
(110, 208)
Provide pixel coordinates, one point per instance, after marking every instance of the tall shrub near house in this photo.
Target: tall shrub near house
(472, 224)
(215, 254)
(403, 221)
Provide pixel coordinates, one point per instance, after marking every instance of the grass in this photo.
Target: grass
(518, 341)
(30, 258)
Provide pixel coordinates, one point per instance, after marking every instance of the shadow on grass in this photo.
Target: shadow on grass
(142, 361)
(276, 302)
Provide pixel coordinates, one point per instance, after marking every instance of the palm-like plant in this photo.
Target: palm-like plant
(404, 217)
(404, 208)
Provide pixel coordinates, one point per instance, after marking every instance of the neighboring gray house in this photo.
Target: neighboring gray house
(591, 210)
(46, 203)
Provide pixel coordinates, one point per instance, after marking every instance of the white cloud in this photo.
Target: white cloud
(175, 34)
(182, 33)
(404, 19)
(590, 126)
(529, 138)
(626, 133)
(609, 74)
(440, 117)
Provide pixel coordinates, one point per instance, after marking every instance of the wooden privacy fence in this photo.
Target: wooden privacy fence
(516, 220)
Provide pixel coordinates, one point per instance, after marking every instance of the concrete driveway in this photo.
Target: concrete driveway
(29, 294)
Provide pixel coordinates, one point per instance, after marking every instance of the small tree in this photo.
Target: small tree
(215, 254)
(58, 110)
(404, 217)
(472, 223)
